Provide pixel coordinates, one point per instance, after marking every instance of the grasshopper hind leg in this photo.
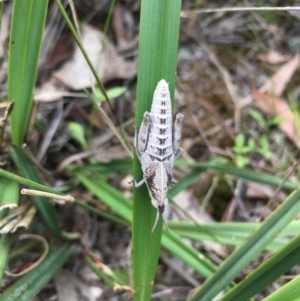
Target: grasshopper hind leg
(177, 129)
(141, 135)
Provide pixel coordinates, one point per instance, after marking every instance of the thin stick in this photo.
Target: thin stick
(67, 198)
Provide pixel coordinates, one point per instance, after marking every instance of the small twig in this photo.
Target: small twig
(65, 198)
(74, 15)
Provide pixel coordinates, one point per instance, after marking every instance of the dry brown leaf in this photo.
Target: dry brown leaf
(51, 91)
(273, 57)
(278, 82)
(19, 217)
(256, 190)
(277, 107)
(76, 73)
(190, 205)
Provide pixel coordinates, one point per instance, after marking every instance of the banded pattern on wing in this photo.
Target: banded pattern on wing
(160, 138)
(157, 144)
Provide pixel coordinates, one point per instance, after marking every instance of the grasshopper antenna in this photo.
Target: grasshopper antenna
(156, 221)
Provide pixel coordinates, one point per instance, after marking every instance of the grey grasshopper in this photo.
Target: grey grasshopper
(157, 146)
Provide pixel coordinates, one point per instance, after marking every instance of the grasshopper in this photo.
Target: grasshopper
(157, 146)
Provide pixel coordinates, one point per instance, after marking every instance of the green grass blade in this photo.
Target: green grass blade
(274, 267)
(107, 194)
(232, 234)
(186, 253)
(26, 182)
(158, 45)
(236, 228)
(122, 206)
(290, 292)
(243, 173)
(44, 206)
(257, 242)
(25, 288)
(5, 241)
(28, 21)
(9, 193)
(9, 197)
(257, 176)
(104, 272)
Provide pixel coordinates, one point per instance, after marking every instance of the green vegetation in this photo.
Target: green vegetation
(98, 191)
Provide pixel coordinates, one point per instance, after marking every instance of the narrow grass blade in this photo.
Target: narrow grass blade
(25, 288)
(158, 45)
(243, 173)
(273, 268)
(186, 253)
(257, 242)
(28, 21)
(5, 241)
(290, 291)
(44, 206)
(121, 205)
(107, 194)
(256, 176)
(104, 272)
(26, 182)
(9, 193)
(231, 234)
(9, 196)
